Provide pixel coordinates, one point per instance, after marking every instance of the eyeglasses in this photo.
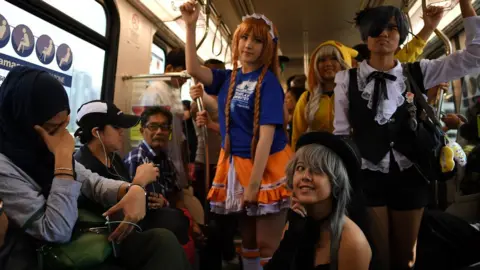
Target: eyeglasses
(156, 127)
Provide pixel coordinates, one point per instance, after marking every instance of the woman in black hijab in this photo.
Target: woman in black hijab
(40, 183)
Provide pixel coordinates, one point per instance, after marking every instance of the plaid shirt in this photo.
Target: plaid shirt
(167, 183)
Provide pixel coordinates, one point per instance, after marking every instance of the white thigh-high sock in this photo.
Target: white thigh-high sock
(250, 259)
(263, 261)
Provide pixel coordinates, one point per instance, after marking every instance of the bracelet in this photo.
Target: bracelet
(131, 185)
(64, 169)
(63, 174)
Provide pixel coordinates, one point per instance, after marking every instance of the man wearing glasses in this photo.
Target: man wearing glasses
(156, 129)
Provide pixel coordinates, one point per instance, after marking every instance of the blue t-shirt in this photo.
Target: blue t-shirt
(243, 106)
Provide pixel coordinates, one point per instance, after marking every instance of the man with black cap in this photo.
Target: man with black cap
(101, 127)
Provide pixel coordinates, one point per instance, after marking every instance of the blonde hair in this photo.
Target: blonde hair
(315, 81)
(268, 58)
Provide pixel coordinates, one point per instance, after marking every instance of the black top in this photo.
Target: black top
(116, 171)
(374, 140)
(297, 248)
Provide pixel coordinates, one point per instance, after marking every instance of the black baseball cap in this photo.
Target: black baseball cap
(100, 113)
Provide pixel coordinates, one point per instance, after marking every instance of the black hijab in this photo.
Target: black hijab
(29, 97)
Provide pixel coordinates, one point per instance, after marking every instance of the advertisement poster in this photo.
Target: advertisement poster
(26, 40)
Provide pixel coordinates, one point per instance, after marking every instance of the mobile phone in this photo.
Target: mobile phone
(111, 228)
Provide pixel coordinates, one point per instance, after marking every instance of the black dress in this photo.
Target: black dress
(297, 249)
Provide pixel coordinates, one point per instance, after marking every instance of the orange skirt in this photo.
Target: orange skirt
(226, 194)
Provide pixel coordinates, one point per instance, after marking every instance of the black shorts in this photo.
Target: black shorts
(397, 190)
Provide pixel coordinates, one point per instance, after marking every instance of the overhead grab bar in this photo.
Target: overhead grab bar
(207, 20)
(157, 76)
(215, 38)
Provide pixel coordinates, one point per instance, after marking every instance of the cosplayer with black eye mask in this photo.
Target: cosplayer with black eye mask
(381, 105)
(373, 21)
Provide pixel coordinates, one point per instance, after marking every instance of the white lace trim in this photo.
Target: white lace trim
(395, 90)
(384, 165)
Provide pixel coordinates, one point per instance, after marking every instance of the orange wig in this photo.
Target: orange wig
(260, 27)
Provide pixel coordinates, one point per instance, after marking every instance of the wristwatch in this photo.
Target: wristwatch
(1, 207)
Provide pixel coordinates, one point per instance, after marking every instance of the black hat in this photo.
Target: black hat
(100, 113)
(343, 147)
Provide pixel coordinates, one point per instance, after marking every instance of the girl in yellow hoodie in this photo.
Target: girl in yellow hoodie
(315, 108)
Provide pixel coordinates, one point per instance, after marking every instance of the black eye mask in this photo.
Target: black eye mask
(373, 21)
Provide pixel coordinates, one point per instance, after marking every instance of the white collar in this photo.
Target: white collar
(395, 90)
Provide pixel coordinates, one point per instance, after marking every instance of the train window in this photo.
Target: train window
(88, 12)
(28, 40)
(157, 65)
(185, 90)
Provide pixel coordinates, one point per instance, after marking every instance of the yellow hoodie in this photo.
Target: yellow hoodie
(325, 113)
(324, 116)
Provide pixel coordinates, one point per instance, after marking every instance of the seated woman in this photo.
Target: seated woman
(40, 183)
(319, 235)
(101, 127)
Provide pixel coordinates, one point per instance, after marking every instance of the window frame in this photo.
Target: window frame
(109, 43)
(158, 41)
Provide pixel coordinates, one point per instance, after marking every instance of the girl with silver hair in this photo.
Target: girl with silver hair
(319, 234)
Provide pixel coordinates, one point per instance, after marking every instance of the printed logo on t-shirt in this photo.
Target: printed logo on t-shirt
(242, 94)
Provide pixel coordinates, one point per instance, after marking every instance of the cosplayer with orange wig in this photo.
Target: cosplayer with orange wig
(250, 179)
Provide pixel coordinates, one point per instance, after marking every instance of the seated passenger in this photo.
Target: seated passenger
(156, 128)
(40, 182)
(101, 127)
(319, 235)
(166, 93)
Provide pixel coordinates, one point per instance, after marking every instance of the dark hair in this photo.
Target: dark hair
(176, 58)
(469, 130)
(213, 62)
(150, 111)
(363, 52)
(86, 135)
(372, 21)
(296, 92)
(290, 79)
(187, 104)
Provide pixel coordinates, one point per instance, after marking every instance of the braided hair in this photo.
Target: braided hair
(268, 58)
